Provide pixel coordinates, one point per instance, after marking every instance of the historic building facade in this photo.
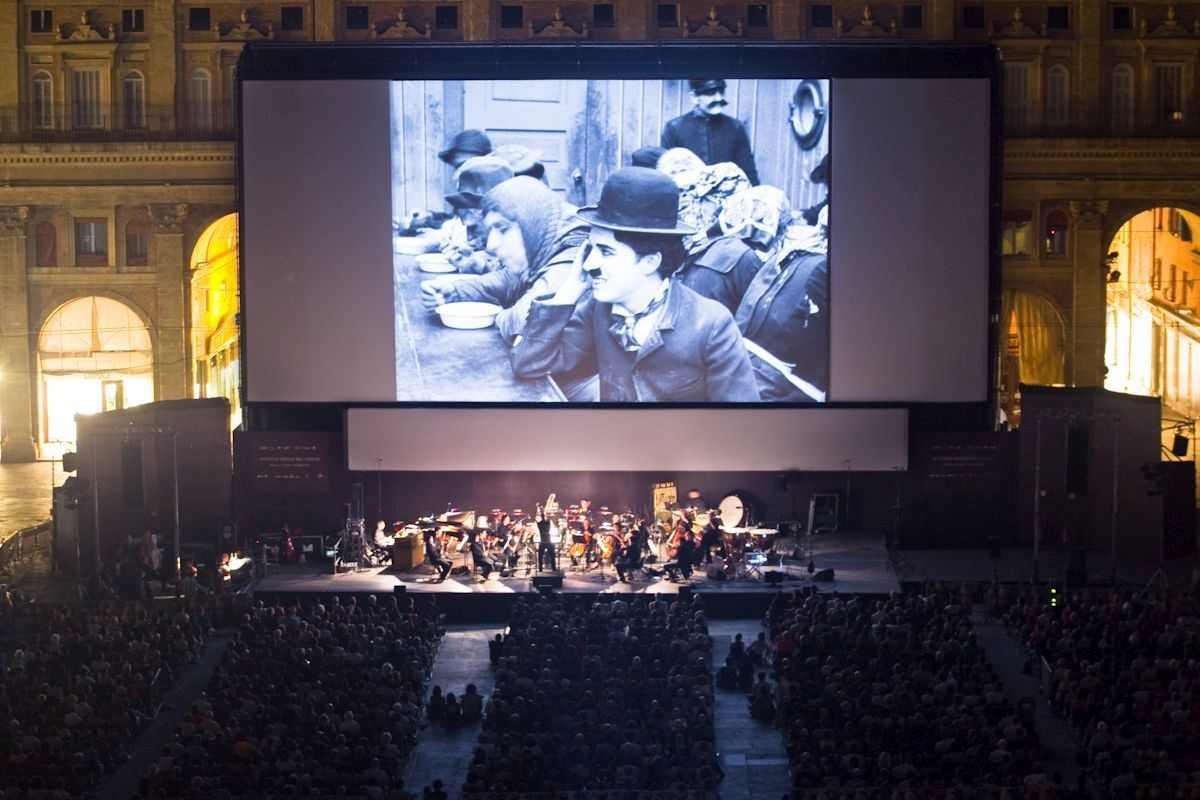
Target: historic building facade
(118, 251)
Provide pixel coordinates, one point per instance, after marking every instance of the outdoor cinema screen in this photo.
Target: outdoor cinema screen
(600, 239)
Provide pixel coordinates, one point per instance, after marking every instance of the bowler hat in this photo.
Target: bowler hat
(476, 177)
(522, 160)
(704, 85)
(470, 142)
(638, 200)
(647, 156)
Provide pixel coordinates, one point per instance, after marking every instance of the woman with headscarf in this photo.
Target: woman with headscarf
(783, 314)
(717, 267)
(535, 236)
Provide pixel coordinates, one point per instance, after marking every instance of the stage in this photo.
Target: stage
(859, 562)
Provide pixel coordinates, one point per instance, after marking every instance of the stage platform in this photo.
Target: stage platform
(859, 562)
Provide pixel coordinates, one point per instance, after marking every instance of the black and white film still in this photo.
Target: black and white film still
(611, 241)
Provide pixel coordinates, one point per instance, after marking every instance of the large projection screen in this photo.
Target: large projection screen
(894, 307)
(816, 439)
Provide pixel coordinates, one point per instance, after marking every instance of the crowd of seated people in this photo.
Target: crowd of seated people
(599, 696)
(1125, 674)
(317, 701)
(895, 695)
(78, 685)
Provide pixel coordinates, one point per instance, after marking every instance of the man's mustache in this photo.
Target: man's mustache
(718, 104)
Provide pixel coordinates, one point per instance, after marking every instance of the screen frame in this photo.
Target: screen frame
(277, 61)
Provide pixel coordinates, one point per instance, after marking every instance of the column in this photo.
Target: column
(161, 27)
(1089, 302)
(16, 364)
(170, 352)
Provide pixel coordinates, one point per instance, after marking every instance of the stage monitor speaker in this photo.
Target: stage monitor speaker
(1077, 459)
(547, 583)
(824, 575)
(1179, 445)
(774, 578)
(399, 588)
(685, 593)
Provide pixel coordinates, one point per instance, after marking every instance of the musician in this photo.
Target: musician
(711, 536)
(629, 557)
(684, 557)
(433, 554)
(695, 501)
(383, 538)
(478, 556)
(513, 539)
(547, 556)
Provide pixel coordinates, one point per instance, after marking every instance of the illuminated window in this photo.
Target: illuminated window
(1156, 275)
(1178, 225)
(1057, 226)
(91, 242)
(1017, 234)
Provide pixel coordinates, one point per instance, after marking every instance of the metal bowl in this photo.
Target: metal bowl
(434, 262)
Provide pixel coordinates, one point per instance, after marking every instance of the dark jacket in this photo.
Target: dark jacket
(715, 138)
(721, 270)
(695, 356)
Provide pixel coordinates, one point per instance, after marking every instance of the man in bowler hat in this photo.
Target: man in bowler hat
(709, 132)
(619, 314)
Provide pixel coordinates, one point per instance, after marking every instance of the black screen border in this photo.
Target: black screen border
(305, 61)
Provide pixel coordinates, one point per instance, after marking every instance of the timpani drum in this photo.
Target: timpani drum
(736, 510)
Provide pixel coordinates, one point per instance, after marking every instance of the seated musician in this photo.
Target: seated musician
(479, 556)
(629, 557)
(433, 554)
(681, 566)
(711, 537)
(383, 537)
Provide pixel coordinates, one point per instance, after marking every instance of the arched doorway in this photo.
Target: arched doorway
(94, 354)
(1152, 322)
(1033, 349)
(215, 306)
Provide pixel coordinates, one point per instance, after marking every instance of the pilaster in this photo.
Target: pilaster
(170, 353)
(1086, 79)
(786, 20)
(1090, 301)
(162, 70)
(477, 20)
(10, 66)
(16, 364)
(940, 19)
(324, 20)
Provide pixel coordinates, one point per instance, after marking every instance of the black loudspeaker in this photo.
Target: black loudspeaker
(399, 588)
(685, 593)
(131, 473)
(1077, 459)
(1077, 571)
(775, 578)
(547, 583)
(823, 575)
(1179, 446)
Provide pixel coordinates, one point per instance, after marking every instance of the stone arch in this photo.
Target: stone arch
(94, 353)
(214, 278)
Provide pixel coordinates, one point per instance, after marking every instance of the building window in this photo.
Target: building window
(913, 17)
(137, 244)
(1156, 275)
(757, 15)
(445, 18)
(1058, 96)
(1058, 18)
(1122, 98)
(45, 239)
(85, 100)
(1168, 94)
(357, 18)
(199, 19)
(1057, 227)
(41, 20)
(821, 15)
(292, 18)
(134, 99)
(42, 105)
(512, 17)
(604, 15)
(1122, 18)
(1169, 291)
(1017, 234)
(972, 17)
(1178, 226)
(1016, 95)
(200, 100)
(91, 242)
(133, 20)
(668, 15)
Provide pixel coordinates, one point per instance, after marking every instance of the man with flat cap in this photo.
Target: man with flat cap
(465, 239)
(618, 313)
(709, 132)
(466, 144)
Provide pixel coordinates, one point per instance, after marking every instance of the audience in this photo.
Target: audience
(1124, 672)
(319, 701)
(879, 696)
(598, 696)
(78, 685)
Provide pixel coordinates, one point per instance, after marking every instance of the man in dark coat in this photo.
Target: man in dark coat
(709, 132)
(649, 338)
(720, 269)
